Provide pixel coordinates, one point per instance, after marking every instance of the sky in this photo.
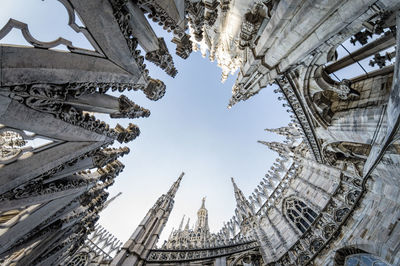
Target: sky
(190, 129)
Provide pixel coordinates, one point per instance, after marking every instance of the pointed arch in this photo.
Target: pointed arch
(352, 255)
(298, 213)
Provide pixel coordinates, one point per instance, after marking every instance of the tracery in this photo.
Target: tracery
(299, 213)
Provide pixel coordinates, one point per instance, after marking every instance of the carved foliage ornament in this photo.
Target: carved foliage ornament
(161, 16)
(195, 13)
(211, 13)
(129, 109)
(37, 188)
(12, 144)
(122, 15)
(251, 24)
(162, 58)
(49, 98)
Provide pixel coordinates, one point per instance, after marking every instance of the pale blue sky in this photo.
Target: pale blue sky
(189, 130)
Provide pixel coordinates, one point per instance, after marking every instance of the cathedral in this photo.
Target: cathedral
(330, 198)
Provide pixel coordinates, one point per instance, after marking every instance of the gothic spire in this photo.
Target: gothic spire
(136, 250)
(181, 224)
(111, 200)
(203, 203)
(174, 188)
(280, 148)
(243, 205)
(187, 225)
(238, 193)
(290, 131)
(170, 234)
(202, 216)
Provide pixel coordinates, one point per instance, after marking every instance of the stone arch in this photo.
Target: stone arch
(343, 253)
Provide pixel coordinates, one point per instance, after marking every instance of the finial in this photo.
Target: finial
(234, 184)
(175, 186)
(111, 200)
(187, 224)
(203, 203)
(181, 224)
(171, 234)
(180, 177)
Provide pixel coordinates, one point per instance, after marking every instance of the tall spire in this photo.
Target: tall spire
(291, 131)
(181, 224)
(111, 200)
(174, 188)
(243, 205)
(136, 250)
(203, 200)
(281, 148)
(202, 217)
(187, 225)
(238, 193)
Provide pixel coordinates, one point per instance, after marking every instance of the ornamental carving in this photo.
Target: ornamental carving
(52, 98)
(159, 15)
(155, 89)
(250, 25)
(376, 25)
(342, 88)
(195, 14)
(38, 188)
(341, 213)
(184, 45)
(211, 13)
(12, 144)
(165, 255)
(328, 230)
(107, 155)
(110, 171)
(326, 226)
(162, 58)
(128, 109)
(301, 117)
(316, 244)
(224, 5)
(352, 197)
(122, 16)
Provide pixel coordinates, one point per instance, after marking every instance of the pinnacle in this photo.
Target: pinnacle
(175, 186)
(203, 203)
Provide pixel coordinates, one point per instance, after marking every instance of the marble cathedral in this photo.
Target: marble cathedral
(331, 197)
